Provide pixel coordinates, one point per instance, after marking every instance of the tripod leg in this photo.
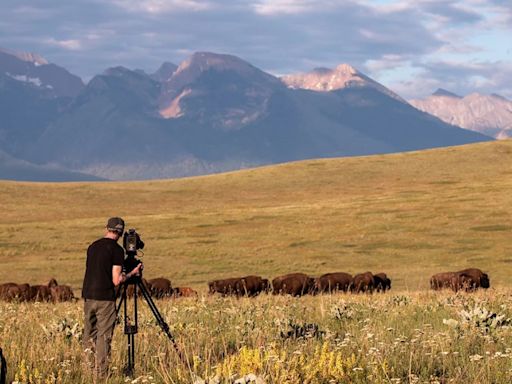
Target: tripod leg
(160, 320)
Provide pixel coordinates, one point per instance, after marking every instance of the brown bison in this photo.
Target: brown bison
(254, 285)
(443, 280)
(61, 293)
(382, 282)
(331, 282)
(474, 278)
(363, 282)
(160, 287)
(40, 293)
(231, 286)
(295, 284)
(184, 292)
(466, 279)
(5, 290)
(14, 292)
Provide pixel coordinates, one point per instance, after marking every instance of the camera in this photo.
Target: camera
(132, 242)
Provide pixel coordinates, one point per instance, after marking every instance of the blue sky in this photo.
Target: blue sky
(410, 46)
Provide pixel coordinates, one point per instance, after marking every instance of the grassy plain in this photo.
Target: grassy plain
(409, 214)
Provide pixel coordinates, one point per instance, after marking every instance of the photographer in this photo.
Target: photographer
(103, 273)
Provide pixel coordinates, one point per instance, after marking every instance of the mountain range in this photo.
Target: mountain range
(487, 114)
(212, 113)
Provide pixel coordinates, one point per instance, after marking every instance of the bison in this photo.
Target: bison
(336, 281)
(295, 284)
(160, 287)
(475, 278)
(40, 293)
(231, 286)
(184, 292)
(254, 285)
(61, 293)
(363, 282)
(382, 282)
(14, 292)
(443, 280)
(466, 279)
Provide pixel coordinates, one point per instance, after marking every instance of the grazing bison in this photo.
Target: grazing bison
(475, 278)
(295, 284)
(184, 292)
(331, 282)
(15, 292)
(160, 287)
(254, 285)
(231, 286)
(363, 282)
(40, 293)
(5, 288)
(61, 293)
(382, 282)
(443, 280)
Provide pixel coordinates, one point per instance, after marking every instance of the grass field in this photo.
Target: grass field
(409, 215)
(397, 337)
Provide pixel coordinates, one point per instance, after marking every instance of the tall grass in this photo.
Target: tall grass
(399, 337)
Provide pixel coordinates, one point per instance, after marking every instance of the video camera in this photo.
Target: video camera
(131, 243)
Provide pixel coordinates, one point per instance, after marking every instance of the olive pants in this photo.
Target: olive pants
(99, 322)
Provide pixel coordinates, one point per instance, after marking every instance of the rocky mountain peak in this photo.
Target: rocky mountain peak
(487, 114)
(26, 56)
(341, 77)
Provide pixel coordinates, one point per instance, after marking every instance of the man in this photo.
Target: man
(103, 273)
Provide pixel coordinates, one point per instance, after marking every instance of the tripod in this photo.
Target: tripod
(131, 324)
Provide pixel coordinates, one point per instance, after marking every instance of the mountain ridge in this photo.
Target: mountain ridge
(214, 113)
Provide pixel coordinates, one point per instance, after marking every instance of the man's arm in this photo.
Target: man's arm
(119, 277)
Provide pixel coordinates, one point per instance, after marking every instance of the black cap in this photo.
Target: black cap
(115, 224)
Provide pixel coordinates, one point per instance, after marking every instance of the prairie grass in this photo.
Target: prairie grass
(401, 337)
(409, 214)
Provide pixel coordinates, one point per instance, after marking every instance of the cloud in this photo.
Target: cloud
(72, 45)
(280, 7)
(162, 6)
(459, 77)
(388, 39)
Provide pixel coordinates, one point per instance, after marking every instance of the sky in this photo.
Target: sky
(411, 46)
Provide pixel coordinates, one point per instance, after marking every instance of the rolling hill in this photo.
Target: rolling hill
(408, 214)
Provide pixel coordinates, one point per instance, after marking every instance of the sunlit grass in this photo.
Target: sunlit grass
(399, 337)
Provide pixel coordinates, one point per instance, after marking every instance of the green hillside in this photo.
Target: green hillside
(409, 214)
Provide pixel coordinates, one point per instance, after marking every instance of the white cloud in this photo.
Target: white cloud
(156, 7)
(72, 44)
(276, 7)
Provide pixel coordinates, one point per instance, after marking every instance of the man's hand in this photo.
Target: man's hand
(136, 271)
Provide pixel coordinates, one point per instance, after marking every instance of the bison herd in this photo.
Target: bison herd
(25, 292)
(298, 284)
(295, 284)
